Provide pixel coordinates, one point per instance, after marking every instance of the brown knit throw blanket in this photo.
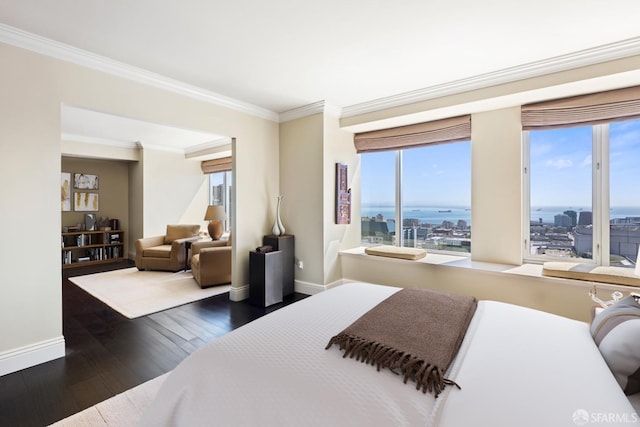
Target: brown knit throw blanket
(415, 333)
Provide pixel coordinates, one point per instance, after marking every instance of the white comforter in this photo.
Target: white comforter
(516, 366)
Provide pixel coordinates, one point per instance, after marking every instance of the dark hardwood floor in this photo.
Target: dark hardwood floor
(106, 353)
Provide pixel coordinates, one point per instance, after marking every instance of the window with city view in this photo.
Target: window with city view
(220, 186)
(431, 197)
(583, 193)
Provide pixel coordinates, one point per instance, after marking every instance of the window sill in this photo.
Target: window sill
(454, 261)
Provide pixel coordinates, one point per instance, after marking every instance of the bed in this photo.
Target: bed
(515, 366)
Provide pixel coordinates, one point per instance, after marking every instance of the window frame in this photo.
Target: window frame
(226, 177)
(399, 217)
(599, 199)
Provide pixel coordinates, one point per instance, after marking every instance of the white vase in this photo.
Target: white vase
(278, 228)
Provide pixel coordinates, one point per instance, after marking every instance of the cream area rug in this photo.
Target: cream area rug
(136, 293)
(122, 410)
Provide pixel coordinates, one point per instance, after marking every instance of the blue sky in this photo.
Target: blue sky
(561, 166)
(561, 162)
(438, 175)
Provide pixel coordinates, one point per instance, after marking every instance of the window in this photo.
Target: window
(426, 189)
(220, 186)
(583, 193)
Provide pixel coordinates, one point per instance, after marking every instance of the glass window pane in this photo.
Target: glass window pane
(220, 187)
(436, 197)
(377, 197)
(624, 197)
(560, 192)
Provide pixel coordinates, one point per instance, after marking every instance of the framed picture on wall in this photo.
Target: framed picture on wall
(84, 181)
(343, 195)
(65, 191)
(85, 201)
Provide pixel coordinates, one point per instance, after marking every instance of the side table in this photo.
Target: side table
(187, 258)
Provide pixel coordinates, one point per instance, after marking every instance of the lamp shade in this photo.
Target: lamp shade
(215, 214)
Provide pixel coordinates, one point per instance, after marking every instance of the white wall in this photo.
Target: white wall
(310, 147)
(31, 302)
(496, 186)
(302, 183)
(33, 89)
(174, 189)
(339, 148)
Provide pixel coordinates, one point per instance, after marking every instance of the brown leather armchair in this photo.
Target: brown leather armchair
(211, 262)
(166, 252)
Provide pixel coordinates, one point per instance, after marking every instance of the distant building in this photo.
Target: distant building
(585, 218)
(623, 241)
(374, 231)
(562, 220)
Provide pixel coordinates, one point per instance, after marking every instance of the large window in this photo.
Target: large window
(584, 199)
(426, 189)
(220, 186)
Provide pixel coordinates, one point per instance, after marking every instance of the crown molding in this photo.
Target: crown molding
(308, 110)
(600, 54)
(222, 144)
(35, 43)
(98, 141)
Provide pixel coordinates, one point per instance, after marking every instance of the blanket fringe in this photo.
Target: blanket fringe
(427, 377)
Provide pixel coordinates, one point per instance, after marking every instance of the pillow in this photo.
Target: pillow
(180, 231)
(396, 252)
(616, 332)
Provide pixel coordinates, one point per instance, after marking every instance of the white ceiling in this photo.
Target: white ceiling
(283, 54)
(79, 124)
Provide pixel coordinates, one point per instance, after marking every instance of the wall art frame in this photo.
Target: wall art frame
(65, 191)
(85, 201)
(343, 195)
(85, 181)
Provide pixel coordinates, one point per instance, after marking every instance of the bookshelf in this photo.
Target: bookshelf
(92, 247)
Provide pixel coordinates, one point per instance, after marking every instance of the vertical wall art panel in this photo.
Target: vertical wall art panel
(65, 191)
(83, 202)
(343, 195)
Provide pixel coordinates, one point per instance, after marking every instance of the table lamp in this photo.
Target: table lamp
(215, 215)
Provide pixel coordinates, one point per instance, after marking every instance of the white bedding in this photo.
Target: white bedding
(516, 366)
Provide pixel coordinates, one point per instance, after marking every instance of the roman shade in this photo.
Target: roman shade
(217, 165)
(619, 104)
(417, 135)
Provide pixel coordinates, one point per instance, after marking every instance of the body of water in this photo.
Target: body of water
(430, 214)
(436, 214)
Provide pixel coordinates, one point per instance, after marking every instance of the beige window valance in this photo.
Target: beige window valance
(217, 165)
(439, 131)
(619, 104)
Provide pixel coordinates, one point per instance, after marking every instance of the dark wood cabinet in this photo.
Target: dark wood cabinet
(285, 244)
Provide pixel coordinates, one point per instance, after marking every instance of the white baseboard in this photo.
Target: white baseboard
(239, 293)
(307, 288)
(314, 288)
(31, 355)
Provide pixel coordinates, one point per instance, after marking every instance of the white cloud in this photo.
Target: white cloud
(587, 161)
(559, 163)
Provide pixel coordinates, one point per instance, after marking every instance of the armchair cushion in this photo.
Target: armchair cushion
(180, 231)
(163, 251)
